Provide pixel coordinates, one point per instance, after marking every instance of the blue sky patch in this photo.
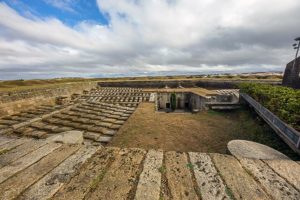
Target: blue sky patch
(70, 12)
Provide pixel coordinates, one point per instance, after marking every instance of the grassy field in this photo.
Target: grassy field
(207, 131)
(16, 85)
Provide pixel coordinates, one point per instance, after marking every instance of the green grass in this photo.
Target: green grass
(229, 193)
(261, 132)
(162, 169)
(3, 151)
(97, 180)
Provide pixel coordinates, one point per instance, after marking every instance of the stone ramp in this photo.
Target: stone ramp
(46, 170)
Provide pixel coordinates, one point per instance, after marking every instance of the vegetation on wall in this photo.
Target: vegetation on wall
(282, 101)
(173, 101)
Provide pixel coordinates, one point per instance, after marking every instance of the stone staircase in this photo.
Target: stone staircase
(98, 121)
(129, 97)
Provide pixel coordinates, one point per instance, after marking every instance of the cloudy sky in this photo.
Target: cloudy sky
(59, 38)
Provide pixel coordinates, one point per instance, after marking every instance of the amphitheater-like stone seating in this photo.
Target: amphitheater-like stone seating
(99, 113)
(129, 97)
(98, 121)
(7, 122)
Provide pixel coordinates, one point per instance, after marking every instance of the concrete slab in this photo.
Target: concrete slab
(104, 139)
(91, 135)
(249, 149)
(18, 165)
(288, 169)
(120, 176)
(10, 145)
(68, 137)
(150, 179)
(27, 177)
(46, 187)
(208, 180)
(20, 151)
(275, 185)
(239, 183)
(88, 176)
(177, 172)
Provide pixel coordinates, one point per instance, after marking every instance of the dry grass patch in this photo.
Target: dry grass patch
(207, 131)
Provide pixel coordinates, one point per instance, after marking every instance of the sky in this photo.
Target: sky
(107, 38)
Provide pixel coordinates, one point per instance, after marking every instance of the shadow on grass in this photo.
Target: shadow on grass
(261, 132)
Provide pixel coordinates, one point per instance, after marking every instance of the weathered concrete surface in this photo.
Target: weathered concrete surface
(120, 177)
(275, 185)
(150, 180)
(10, 145)
(4, 140)
(29, 159)
(240, 184)
(288, 169)
(88, 176)
(68, 137)
(54, 180)
(249, 149)
(19, 152)
(60, 171)
(179, 176)
(210, 183)
(24, 179)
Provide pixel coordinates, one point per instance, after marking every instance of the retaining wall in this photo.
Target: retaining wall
(217, 84)
(16, 101)
(287, 133)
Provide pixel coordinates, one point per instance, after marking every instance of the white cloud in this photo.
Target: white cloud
(66, 5)
(152, 36)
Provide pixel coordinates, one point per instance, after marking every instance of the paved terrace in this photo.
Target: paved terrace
(38, 169)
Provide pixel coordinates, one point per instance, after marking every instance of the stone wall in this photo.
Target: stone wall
(291, 76)
(16, 101)
(217, 84)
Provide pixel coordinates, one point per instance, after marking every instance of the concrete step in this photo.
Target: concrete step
(179, 176)
(46, 187)
(20, 151)
(207, 178)
(120, 177)
(18, 165)
(240, 184)
(89, 175)
(150, 179)
(275, 185)
(30, 175)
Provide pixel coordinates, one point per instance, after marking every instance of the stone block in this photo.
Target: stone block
(68, 137)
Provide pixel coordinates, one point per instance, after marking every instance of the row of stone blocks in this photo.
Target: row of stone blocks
(99, 121)
(39, 169)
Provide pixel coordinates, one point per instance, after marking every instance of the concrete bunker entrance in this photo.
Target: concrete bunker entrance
(179, 101)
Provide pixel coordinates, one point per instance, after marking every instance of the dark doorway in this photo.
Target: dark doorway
(186, 105)
(168, 105)
(179, 103)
